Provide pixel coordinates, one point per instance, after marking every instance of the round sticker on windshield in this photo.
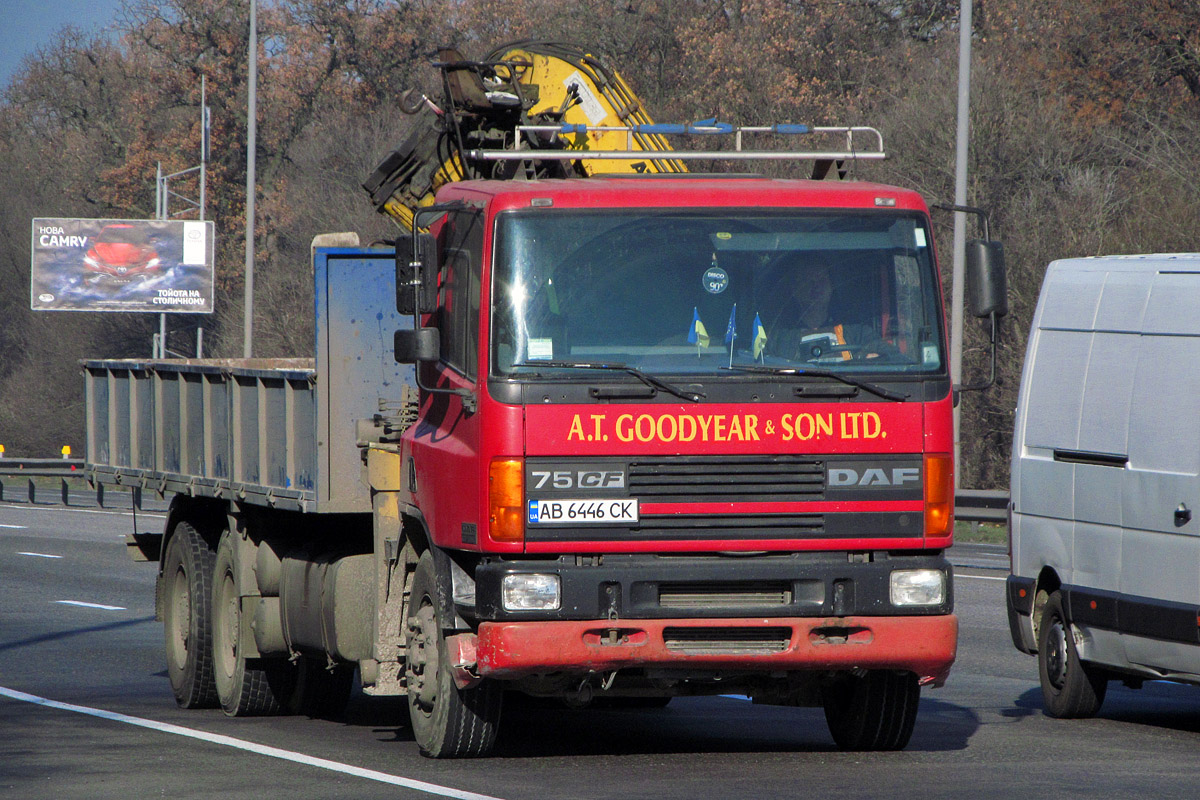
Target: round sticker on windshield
(716, 280)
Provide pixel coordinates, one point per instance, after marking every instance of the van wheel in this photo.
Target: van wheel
(447, 722)
(874, 712)
(1071, 689)
(245, 686)
(187, 578)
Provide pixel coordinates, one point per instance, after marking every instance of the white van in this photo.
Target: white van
(1105, 547)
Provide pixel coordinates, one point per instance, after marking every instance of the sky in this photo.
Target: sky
(26, 25)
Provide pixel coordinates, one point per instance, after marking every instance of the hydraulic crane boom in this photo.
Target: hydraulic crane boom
(483, 102)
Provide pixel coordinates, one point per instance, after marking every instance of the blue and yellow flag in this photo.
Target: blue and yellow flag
(760, 337)
(697, 335)
(731, 329)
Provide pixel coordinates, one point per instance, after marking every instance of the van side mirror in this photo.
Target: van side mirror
(417, 345)
(987, 281)
(416, 269)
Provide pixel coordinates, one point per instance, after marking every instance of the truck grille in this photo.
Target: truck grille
(683, 479)
(733, 526)
(727, 641)
(736, 595)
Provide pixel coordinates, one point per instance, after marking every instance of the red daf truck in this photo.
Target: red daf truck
(616, 438)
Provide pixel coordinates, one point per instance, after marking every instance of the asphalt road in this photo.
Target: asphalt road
(86, 712)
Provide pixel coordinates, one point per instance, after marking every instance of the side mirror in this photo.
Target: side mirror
(425, 275)
(987, 282)
(418, 345)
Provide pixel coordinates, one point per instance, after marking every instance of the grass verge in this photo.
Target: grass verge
(980, 533)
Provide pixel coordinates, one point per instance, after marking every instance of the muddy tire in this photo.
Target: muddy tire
(1071, 689)
(447, 722)
(245, 686)
(186, 587)
(873, 712)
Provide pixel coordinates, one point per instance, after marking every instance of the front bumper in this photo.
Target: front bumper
(657, 587)
(925, 645)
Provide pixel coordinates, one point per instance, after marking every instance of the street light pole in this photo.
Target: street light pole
(958, 289)
(251, 137)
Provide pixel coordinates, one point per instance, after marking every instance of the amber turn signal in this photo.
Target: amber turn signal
(506, 500)
(939, 495)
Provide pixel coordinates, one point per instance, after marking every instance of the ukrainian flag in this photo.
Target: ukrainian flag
(760, 336)
(697, 335)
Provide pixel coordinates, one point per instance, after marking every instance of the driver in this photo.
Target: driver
(807, 329)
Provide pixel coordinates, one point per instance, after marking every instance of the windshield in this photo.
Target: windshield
(695, 292)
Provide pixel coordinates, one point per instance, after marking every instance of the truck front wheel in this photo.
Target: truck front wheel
(447, 722)
(245, 686)
(1070, 688)
(187, 578)
(876, 711)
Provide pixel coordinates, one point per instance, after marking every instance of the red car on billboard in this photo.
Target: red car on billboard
(122, 253)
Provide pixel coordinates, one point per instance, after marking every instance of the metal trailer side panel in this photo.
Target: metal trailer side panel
(192, 426)
(275, 432)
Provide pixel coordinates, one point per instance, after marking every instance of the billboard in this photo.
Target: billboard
(165, 266)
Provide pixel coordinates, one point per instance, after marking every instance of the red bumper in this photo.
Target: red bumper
(924, 645)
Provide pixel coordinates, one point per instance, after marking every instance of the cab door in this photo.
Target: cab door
(446, 439)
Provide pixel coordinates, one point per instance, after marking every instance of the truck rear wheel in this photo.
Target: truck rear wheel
(447, 722)
(245, 686)
(187, 617)
(874, 712)
(1070, 688)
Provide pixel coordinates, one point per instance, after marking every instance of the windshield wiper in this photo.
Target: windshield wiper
(649, 380)
(874, 389)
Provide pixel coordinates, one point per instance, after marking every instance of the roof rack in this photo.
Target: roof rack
(532, 141)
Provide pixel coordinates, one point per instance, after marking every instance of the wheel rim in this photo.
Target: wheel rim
(423, 660)
(179, 615)
(1056, 653)
(225, 625)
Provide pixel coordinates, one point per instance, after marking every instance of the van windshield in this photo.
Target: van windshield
(674, 292)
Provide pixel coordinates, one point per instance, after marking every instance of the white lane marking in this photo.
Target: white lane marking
(251, 747)
(122, 511)
(19, 527)
(38, 555)
(90, 605)
(979, 577)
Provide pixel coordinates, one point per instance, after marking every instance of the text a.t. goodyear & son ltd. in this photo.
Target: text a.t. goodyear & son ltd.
(684, 427)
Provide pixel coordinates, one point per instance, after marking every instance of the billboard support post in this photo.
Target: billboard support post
(162, 195)
(160, 204)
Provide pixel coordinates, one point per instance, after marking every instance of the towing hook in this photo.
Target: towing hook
(414, 99)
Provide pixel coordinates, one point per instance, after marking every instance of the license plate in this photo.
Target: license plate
(545, 512)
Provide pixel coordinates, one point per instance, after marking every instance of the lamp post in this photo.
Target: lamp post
(958, 289)
(251, 137)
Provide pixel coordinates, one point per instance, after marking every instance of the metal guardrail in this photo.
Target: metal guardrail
(17, 474)
(24, 480)
(981, 505)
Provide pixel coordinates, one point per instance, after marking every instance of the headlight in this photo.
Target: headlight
(918, 587)
(530, 592)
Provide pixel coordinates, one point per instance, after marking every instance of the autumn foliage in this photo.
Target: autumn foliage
(1084, 140)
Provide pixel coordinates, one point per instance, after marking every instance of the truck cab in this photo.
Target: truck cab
(678, 435)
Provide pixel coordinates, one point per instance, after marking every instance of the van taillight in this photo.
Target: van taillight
(939, 495)
(506, 500)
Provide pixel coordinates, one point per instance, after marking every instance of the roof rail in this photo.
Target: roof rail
(531, 141)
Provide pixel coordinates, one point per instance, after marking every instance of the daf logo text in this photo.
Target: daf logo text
(873, 476)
